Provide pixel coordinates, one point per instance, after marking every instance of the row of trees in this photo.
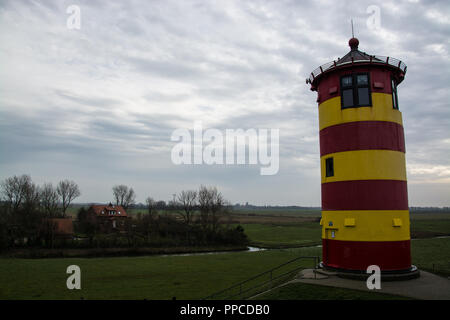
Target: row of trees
(205, 206)
(20, 192)
(25, 208)
(194, 217)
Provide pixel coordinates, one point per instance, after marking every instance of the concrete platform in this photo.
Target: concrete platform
(427, 287)
(388, 276)
(311, 274)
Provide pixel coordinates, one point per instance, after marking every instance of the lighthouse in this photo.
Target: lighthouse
(365, 216)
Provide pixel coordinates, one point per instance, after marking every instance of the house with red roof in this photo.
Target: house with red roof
(108, 217)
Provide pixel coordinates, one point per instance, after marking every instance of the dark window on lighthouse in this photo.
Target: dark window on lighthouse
(347, 92)
(355, 91)
(394, 94)
(329, 167)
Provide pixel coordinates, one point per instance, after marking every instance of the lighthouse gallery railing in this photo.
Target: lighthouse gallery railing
(375, 59)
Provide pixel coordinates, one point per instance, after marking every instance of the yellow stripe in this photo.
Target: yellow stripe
(330, 112)
(366, 165)
(369, 225)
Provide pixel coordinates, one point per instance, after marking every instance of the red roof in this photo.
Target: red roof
(356, 57)
(109, 211)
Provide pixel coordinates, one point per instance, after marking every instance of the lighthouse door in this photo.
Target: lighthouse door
(330, 234)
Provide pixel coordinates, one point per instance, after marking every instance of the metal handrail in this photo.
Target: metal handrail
(270, 271)
(374, 59)
(263, 283)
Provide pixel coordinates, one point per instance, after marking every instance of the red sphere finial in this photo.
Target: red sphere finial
(353, 43)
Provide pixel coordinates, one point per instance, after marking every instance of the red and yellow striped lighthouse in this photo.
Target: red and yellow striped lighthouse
(365, 216)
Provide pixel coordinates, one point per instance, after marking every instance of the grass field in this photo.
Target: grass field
(284, 236)
(194, 277)
(432, 255)
(148, 277)
(423, 226)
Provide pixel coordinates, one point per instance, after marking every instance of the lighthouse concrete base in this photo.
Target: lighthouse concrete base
(428, 286)
(401, 275)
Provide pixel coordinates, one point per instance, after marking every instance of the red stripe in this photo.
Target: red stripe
(365, 195)
(358, 255)
(362, 135)
(331, 80)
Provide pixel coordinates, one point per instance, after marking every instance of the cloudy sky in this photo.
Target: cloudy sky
(98, 104)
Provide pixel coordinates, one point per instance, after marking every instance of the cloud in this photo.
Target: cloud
(99, 104)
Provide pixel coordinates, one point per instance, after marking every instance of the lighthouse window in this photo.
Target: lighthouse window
(347, 98)
(362, 79)
(347, 81)
(329, 167)
(355, 91)
(394, 94)
(363, 96)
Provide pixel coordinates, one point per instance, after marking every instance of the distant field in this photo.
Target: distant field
(430, 216)
(282, 236)
(279, 212)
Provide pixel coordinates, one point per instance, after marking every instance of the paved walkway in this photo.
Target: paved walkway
(427, 287)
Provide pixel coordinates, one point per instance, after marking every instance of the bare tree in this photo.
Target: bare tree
(49, 199)
(188, 202)
(217, 208)
(22, 198)
(212, 207)
(151, 204)
(204, 202)
(68, 191)
(32, 196)
(124, 196)
(119, 193)
(14, 190)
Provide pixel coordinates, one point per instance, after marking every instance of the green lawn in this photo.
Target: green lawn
(157, 277)
(287, 235)
(429, 226)
(432, 255)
